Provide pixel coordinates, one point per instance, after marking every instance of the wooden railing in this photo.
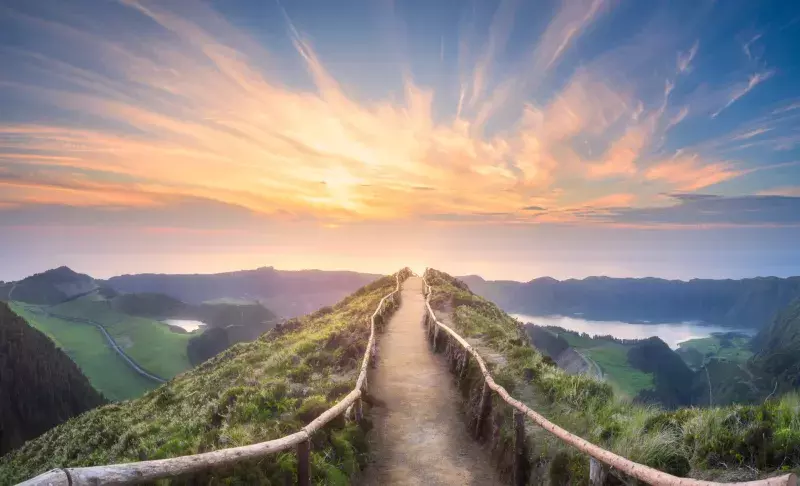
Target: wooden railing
(598, 455)
(146, 471)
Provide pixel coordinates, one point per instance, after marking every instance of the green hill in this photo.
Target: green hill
(41, 387)
(252, 392)
(731, 443)
(50, 287)
(778, 355)
(153, 345)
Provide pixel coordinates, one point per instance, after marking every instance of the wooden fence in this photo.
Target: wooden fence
(145, 471)
(600, 459)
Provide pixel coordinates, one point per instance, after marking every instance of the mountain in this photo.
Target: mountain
(40, 387)
(778, 350)
(50, 287)
(287, 293)
(747, 303)
(252, 392)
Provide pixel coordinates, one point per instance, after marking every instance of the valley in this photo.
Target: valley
(129, 343)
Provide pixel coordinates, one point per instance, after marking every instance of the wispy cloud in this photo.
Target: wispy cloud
(689, 173)
(746, 46)
(755, 80)
(685, 58)
(200, 112)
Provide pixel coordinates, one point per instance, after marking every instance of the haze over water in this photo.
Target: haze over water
(672, 333)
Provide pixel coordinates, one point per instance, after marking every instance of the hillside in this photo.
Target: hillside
(747, 303)
(732, 443)
(646, 370)
(50, 287)
(287, 293)
(87, 347)
(40, 387)
(778, 350)
(251, 392)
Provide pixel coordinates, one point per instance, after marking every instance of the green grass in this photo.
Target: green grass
(86, 346)
(613, 360)
(734, 442)
(251, 392)
(697, 352)
(152, 344)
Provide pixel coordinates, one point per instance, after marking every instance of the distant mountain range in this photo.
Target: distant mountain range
(287, 293)
(746, 303)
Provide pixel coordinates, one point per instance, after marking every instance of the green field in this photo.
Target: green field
(612, 358)
(85, 345)
(152, 344)
(730, 347)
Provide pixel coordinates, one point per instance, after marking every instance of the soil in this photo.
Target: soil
(419, 436)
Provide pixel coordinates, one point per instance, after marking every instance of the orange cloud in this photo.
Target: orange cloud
(688, 173)
(194, 115)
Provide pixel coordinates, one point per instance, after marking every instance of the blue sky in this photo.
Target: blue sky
(508, 138)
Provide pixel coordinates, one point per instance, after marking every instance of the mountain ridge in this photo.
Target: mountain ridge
(744, 303)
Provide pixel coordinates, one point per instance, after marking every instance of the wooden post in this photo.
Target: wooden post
(359, 411)
(483, 409)
(303, 469)
(464, 366)
(520, 455)
(435, 336)
(597, 472)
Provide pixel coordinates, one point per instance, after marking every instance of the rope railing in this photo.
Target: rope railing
(597, 472)
(146, 471)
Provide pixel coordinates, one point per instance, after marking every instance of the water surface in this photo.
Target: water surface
(671, 333)
(187, 324)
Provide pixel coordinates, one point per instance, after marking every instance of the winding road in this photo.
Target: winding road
(111, 342)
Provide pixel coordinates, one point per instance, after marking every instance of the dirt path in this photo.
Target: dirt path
(419, 436)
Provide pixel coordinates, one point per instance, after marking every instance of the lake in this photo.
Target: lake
(670, 333)
(187, 324)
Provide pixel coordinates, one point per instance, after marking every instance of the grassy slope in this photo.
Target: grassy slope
(727, 443)
(86, 346)
(613, 361)
(697, 351)
(250, 393)
(152, 344)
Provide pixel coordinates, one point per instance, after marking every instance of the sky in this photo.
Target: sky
(511, 139)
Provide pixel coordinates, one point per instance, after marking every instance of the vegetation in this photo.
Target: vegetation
(778, 355)
(50, 287)
(85, 345)
(152, 344)
(250, 393)
(41, 387)
(735, 442)
(747, 303)
(729, 346)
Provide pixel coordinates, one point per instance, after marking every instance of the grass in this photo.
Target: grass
(728, 346)
(85, 345)
(251, 392)
(735, 443)
(613, 360)
(152, 344)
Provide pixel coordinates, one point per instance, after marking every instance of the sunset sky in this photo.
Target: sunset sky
(511, 139)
